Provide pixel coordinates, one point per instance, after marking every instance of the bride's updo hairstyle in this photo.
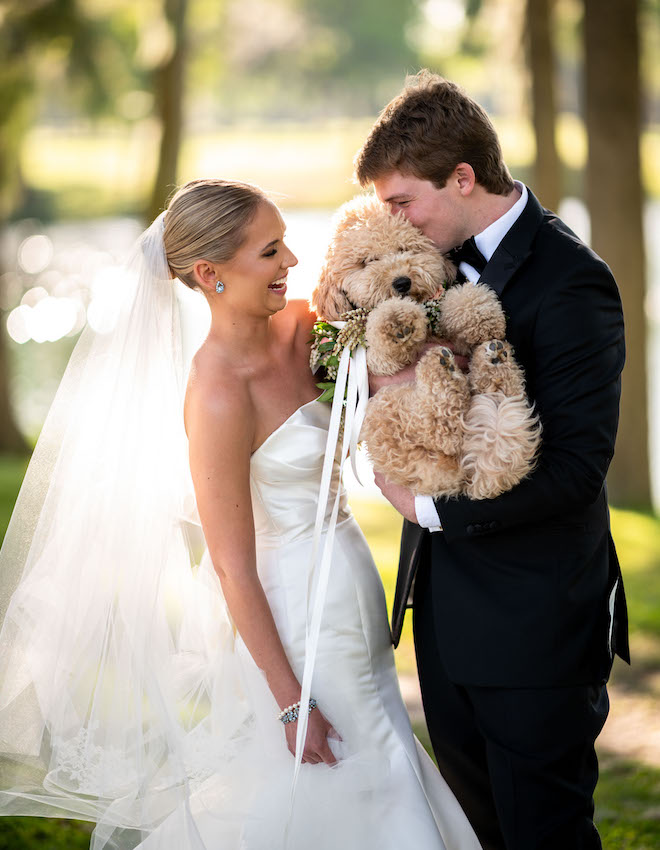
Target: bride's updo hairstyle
(206, 220)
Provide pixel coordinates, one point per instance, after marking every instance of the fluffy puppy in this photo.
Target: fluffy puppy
(448, 433)
(381, 262)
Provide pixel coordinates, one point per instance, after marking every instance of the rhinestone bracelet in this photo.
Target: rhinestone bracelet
(291, 712)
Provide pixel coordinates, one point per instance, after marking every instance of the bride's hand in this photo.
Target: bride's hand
(316, 748)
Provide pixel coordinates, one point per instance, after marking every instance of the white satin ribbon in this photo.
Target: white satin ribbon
(352, 380)
(358, 372)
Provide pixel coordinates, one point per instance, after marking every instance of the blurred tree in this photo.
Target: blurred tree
(615, 198)
(315, 56)
(20, 23)
(29, 29)
(369, 36)
(540, 61)
(169, 86)
(448, 32)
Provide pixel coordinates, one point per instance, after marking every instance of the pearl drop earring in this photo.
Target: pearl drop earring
(219, 287)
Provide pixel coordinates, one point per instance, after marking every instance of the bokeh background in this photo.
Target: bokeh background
(107, 105)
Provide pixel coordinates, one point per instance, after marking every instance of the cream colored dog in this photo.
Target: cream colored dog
(449, 432)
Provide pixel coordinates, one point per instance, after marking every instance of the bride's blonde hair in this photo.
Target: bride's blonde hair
(206, 219)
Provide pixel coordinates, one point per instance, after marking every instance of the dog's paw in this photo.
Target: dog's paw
(438, 379)
(496, 352)
(446, 358)
(493, 369)
(396, 331)
(402, 334)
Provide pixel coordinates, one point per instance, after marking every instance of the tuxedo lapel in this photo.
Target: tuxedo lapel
(514, 248)
(412, 539)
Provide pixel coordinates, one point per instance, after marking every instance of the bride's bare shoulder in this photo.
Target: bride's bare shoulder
(215, 398)
(300, 318)
(297, 313)
(303, 311)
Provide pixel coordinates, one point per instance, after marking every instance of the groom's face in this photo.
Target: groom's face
(438, 213)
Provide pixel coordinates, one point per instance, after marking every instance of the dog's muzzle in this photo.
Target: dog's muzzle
(402, 285)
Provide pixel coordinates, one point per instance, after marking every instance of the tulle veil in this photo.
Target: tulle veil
(112, 634)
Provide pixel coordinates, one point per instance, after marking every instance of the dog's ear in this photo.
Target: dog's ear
(328, 299)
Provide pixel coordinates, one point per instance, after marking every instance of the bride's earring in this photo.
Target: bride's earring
(219, 286)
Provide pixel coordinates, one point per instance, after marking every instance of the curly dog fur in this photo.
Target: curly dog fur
(448, 433)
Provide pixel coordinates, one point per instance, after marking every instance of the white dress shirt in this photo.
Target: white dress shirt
(487, 242)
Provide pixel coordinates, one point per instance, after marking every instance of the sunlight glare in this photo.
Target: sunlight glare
(35, 253)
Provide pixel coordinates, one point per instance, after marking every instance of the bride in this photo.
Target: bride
(157, 693)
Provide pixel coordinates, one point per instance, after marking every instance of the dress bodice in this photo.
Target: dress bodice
(285, 476)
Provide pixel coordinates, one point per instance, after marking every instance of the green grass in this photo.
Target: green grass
(628, 794)
(12, 470)
(637, 537)
(44, 834)
(628, 805)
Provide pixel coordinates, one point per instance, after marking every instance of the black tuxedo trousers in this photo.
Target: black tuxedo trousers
(520, 761)
(519, 603)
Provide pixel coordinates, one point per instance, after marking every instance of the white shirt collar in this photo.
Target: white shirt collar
(488, 240)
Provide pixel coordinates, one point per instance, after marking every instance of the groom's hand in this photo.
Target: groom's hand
(399, 497)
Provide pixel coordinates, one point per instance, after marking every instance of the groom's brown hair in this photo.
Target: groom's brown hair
(427, 130)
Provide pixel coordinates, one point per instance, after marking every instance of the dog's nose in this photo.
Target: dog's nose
(402, 285)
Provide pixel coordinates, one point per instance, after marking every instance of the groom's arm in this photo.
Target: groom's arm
(579, 353)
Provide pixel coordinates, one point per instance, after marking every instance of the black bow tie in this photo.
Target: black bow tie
(468, 253)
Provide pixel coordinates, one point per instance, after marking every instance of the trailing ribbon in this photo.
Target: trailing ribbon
(358, 371)
(352, 380)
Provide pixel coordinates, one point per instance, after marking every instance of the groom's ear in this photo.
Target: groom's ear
(328, 299)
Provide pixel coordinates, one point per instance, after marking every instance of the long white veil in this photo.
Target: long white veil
(108, 627)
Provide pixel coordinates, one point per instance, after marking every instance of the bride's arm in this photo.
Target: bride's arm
(220, 433)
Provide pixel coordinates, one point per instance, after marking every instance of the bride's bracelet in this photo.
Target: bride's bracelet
(292, 712)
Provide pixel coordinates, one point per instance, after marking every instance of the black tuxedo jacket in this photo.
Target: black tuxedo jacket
(526, 587)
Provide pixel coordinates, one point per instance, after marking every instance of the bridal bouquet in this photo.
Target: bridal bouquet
(329, 340)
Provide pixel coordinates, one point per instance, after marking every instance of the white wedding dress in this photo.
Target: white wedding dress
(385, 793)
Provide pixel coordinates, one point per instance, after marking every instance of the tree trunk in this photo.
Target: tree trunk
(615, 199)
(540, 61)
(169, 85)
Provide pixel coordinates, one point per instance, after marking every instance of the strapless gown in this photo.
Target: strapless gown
(385, 793)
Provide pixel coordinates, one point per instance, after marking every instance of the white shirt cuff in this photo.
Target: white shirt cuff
(427, 514)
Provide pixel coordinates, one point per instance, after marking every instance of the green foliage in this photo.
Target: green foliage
(627, 811)
(55, 52)
(637, 538)
(370, 36)
(328, 388)
(43, 834)
(12, 470)
(316, 57)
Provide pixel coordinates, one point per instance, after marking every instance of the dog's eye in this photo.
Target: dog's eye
(362, 263)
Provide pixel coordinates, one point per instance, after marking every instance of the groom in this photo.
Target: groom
(518, 604)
